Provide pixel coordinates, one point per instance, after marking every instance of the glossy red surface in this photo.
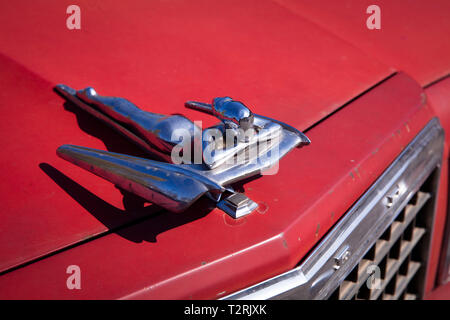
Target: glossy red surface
(413, 35)
(439, 97)
(167, 257)
(166, 54)
(296, 62)
(159, 55)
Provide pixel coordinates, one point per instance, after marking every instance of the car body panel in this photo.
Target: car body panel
(206, 254)
(255, 50)
(438, 95)
(412, 37)
(290, 61)
(162, 58)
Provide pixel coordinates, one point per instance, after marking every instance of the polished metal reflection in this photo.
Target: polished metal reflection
(152, 131)
(260, 143)
(253, 131)
(167, 185)
(237, 205)
(234, 114)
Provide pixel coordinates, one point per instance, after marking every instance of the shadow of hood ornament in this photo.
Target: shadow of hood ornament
(191, 162)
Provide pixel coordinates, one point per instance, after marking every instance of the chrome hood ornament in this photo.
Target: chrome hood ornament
(192, 162)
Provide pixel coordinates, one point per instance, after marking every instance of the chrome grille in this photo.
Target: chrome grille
(385, 235)
(399, 255)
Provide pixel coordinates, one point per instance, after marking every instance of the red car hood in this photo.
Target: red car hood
(158, 55)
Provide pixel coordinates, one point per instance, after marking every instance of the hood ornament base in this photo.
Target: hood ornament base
(241, 145)
(237, 205)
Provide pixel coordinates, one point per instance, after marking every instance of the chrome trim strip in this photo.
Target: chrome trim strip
(344, 246)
